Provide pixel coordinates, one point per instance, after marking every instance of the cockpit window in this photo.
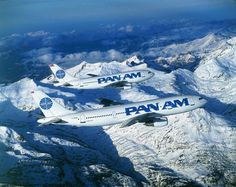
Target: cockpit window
(149, 72)
(200, 98)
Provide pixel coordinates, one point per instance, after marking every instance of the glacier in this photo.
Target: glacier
(197, 148)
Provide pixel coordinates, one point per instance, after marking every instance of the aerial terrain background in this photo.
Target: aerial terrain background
(189, 44)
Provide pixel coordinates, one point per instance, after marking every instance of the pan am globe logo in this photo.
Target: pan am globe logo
(60, 74)
(45, 103)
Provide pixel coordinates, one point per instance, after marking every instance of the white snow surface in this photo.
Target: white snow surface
(196, 148)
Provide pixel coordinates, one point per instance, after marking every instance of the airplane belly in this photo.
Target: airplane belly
(99, 122)
(94, 85)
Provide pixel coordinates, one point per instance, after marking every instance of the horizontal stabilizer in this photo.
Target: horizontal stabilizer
(49, 120)
(51, 78)
(62, 84)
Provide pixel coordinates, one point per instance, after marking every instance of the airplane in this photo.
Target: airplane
(150, 112)
(121, 80)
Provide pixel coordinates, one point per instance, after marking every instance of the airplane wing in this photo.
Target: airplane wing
(121, 84)
(150, 119)
(108, 102)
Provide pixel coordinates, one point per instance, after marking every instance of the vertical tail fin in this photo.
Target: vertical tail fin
(61, 75)
(48, 106)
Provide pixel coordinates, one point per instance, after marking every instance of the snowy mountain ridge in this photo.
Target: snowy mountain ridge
(196, 148)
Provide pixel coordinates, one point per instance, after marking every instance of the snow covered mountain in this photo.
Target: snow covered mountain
(197, 148)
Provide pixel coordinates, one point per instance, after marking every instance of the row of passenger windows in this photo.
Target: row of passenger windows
(120, 113)
(92, 117)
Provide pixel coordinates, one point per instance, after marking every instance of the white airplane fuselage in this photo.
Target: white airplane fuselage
(103, 81)
(120, 113)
